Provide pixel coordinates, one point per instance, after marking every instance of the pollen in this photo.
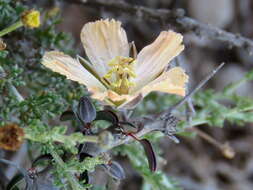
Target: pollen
(119, 76)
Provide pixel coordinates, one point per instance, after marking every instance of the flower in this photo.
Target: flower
(31, 18)
(115, 77)
(11, 137)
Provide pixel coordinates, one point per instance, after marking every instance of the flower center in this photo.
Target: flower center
(119, 75)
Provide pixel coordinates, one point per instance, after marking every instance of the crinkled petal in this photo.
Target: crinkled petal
(124, 101)
(108, 95)
(111, 97)
(153, 59)
(172, 81)
(103, 40)
(72, 69)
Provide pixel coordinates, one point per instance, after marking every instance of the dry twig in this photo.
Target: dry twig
(175, 17)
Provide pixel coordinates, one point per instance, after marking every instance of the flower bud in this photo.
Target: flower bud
(31, 18)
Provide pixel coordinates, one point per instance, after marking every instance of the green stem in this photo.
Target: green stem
(92, 139)
(72, 181)
(11, 28)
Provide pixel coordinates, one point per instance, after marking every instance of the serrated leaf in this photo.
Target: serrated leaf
(60, 130)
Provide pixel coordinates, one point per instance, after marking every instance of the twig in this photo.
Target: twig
(181, 102)
(150, 124)
(22, 170)
(174, 17)
(225, 148)
(191, 107)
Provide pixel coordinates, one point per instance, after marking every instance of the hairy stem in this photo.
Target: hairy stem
(71, 179)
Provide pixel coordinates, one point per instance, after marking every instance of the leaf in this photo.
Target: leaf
(129, 127)
(157, 180)
(85, 177)
(115, 170)
(12, 185)
(67, 115)
(86, 111)
(107, 115)
(22, 171)
(149, 153)
(41, 159)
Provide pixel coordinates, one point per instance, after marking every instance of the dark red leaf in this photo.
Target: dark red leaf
(86, 111)
(128, 127)
(107, 115)
(67, 115)
(115, 170)
(149, 153)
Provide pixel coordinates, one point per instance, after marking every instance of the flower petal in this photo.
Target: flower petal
(103, 40)
(132, 101)
(116, 97)
(71, 68)
(172, 81)
(152, 59)
(110, 97)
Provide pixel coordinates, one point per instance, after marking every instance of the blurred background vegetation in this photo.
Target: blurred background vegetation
(215, 150)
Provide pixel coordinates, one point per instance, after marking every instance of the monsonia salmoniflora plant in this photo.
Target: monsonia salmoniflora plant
(36, 103)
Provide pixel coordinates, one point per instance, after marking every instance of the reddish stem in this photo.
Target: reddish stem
(132, 135)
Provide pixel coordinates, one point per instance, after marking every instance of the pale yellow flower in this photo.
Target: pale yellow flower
(112, 75)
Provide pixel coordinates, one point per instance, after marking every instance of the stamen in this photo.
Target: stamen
(118, 77)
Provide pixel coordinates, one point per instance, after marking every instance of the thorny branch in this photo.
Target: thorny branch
(181, 102)
(175, 17)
